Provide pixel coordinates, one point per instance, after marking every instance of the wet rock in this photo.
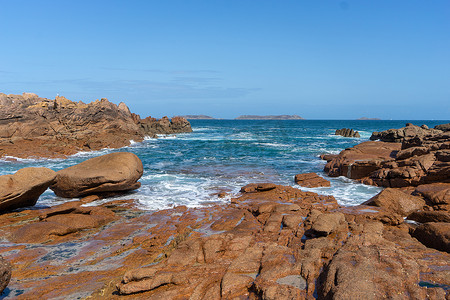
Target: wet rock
(257, 187)
(62, 220)
(346, 132)
(434, 235)
(24, 187)
(328, 157)
(310, 180)
(5, 273)
(396, 201)
(114, 172)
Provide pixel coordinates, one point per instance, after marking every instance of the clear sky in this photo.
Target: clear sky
(318, 59)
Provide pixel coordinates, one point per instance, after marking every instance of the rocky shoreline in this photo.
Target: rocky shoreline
(31, 126)
(269, 242)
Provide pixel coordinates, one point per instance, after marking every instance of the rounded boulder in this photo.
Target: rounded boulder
(114, 172)
(24, 187)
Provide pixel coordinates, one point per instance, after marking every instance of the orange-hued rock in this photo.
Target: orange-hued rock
(418, 160)
(24, 187)
(272, 242)
(434, 235)
(63, 220)
(5, 273)
(310, 180)
(396, 201)
(114, 172)
(31, 126)
(361, 160)
(407, 132)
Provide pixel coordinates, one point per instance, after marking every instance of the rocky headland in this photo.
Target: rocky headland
(31, 126)
(269, 242)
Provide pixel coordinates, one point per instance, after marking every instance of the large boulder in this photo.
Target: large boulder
(396, 201)
(24, 187)
(5, 273)
(114, 172)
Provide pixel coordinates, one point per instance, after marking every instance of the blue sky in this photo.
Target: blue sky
(224, 58)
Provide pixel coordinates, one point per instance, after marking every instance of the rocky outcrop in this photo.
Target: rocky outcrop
(24, 187)
(396, 202)
(35, 126)
(311, 180)
(346, 132)
(407, 132)
(416, 161)
(5, 273)
(361, 160)
(443, 127)
(114, 172)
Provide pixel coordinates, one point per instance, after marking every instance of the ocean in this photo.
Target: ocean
(223, 155)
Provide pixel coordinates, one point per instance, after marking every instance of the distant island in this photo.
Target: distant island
(278, 117)
(364, 118)
(198, 117)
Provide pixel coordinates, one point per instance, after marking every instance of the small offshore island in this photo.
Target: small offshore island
(277, 117)
(268, 241)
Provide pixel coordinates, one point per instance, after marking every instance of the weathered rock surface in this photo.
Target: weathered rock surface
(35, 126)
(434, 235)
(272, 242)
(417, 161)
(5, 273)
(396, 202)
(407, 132)
(443, 127)
(361, 160)
(63, 220)
(346, 132)
(24, 187)
(114, 172)
(310, 180)
(369, 266)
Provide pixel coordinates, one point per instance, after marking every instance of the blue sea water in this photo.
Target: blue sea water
(223, 155)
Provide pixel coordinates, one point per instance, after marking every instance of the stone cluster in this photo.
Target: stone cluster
(346, 132)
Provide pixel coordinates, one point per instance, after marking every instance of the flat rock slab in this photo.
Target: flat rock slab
(311, 180)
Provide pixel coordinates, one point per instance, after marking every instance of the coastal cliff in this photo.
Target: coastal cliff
(31, 126)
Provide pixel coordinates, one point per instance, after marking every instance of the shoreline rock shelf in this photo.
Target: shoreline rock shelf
(31, 126)
(269, 242)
